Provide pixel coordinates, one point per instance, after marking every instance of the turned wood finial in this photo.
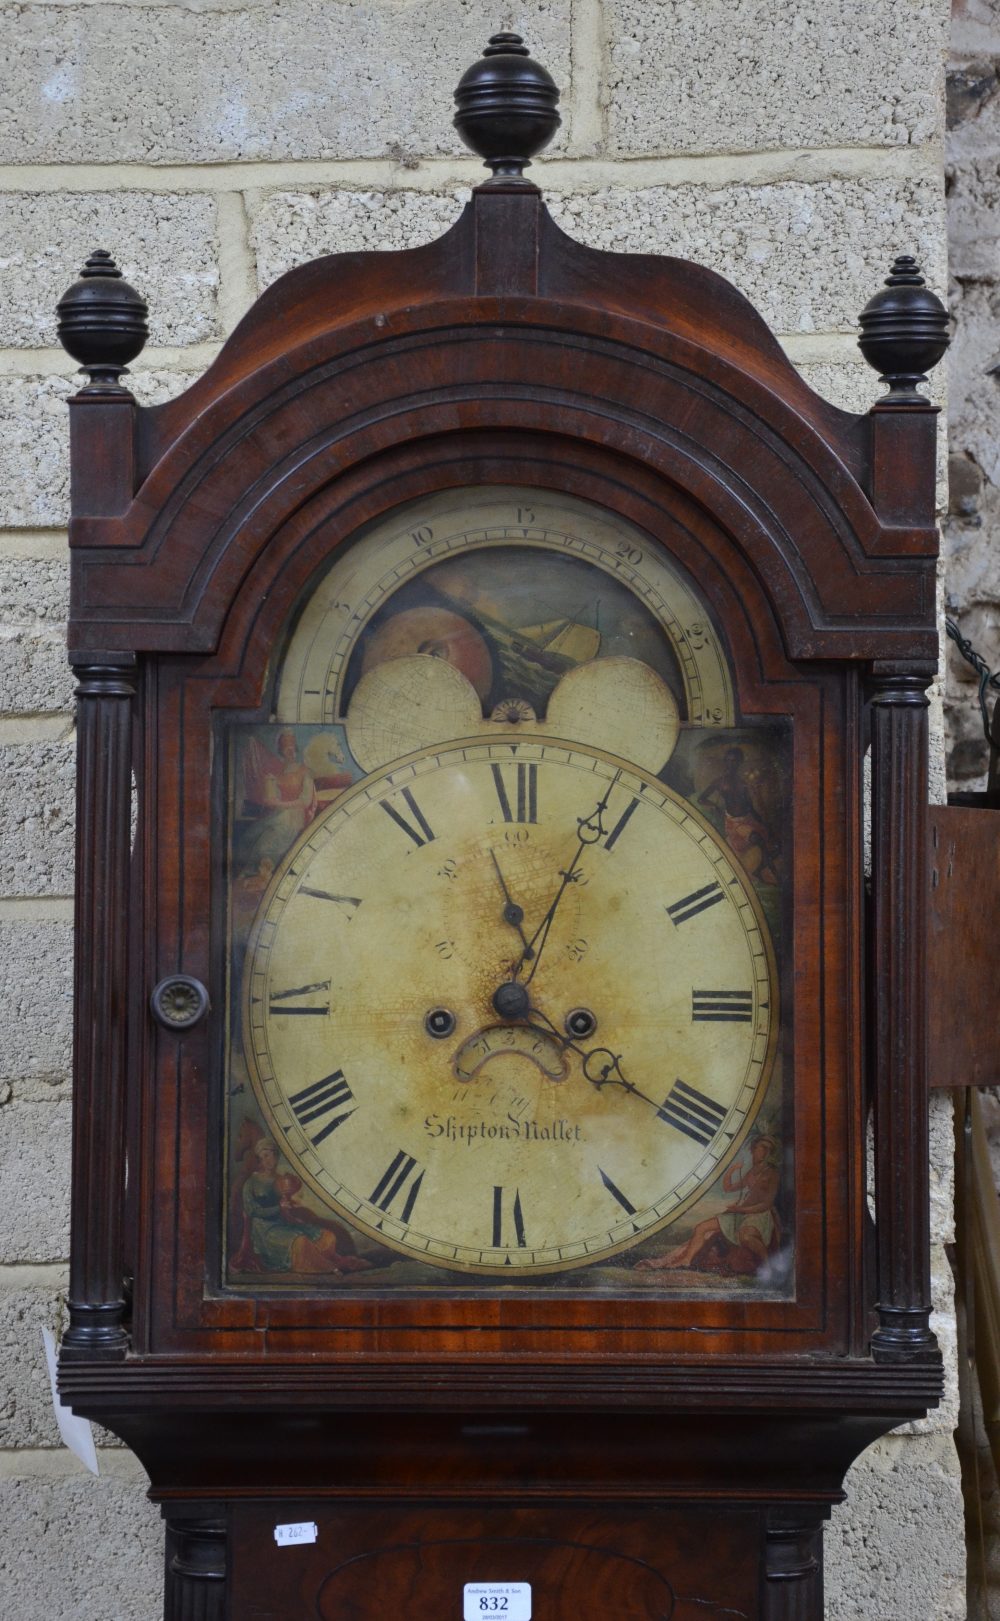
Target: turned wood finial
(506, 106)
(904, 331)
(102, 321)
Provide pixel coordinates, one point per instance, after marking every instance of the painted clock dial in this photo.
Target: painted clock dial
(508, 1005)
(505, 895)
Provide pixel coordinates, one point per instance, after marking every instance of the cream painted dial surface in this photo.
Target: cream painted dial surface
(509, 1005)
(500, 580)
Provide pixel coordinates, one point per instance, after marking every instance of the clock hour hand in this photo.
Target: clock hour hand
(512, 913)
(601, 1067)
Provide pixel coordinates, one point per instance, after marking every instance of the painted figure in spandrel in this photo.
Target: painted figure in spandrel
(751, 1223)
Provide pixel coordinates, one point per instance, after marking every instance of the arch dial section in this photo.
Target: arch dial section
(514, 587)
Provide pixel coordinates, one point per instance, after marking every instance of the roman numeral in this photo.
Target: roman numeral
(422, 833)
(299, 990)
(620, 825)
(690, 1111)
(616, 1193)
(352, 902)
(328, 1096)
(394, 1182)
(722, 1007)
(699, 901)
(525, 790)
(498, 1220)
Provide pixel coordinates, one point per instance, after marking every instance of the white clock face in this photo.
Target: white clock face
(509, 1005)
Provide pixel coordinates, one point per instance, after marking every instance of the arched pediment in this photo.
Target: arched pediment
(352, 374)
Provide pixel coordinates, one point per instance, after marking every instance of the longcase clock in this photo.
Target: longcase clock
(480, 1002)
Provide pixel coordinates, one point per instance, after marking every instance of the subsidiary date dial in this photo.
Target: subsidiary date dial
(509, 1006)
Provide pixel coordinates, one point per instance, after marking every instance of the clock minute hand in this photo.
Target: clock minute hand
(536, 944)
(589, 830)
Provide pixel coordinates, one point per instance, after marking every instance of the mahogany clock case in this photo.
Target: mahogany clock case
(248, 482)
(187, 819)
(502, 356)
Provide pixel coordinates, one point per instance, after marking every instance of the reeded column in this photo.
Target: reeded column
(100, 982)
(898, 1010)
(196, 1570)
(793, 1564)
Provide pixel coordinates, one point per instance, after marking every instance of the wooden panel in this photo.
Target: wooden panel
(583, 1564)
(965, 897)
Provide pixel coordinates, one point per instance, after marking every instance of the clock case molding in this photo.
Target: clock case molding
(504, 353)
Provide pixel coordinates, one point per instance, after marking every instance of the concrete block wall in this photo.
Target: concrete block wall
(210, 145)
(972, 528)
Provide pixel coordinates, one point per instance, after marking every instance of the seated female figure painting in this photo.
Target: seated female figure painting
(276, 1232)
(743, 1237)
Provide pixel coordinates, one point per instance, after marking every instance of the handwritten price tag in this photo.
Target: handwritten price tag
(497, 1601)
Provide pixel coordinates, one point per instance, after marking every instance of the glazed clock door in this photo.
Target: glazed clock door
(506, 891)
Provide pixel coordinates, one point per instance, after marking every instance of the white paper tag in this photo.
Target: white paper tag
(510, 1601)
(76, 1432)
(288, 1536)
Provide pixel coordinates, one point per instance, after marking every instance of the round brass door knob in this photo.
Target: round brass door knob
(179, 1002)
